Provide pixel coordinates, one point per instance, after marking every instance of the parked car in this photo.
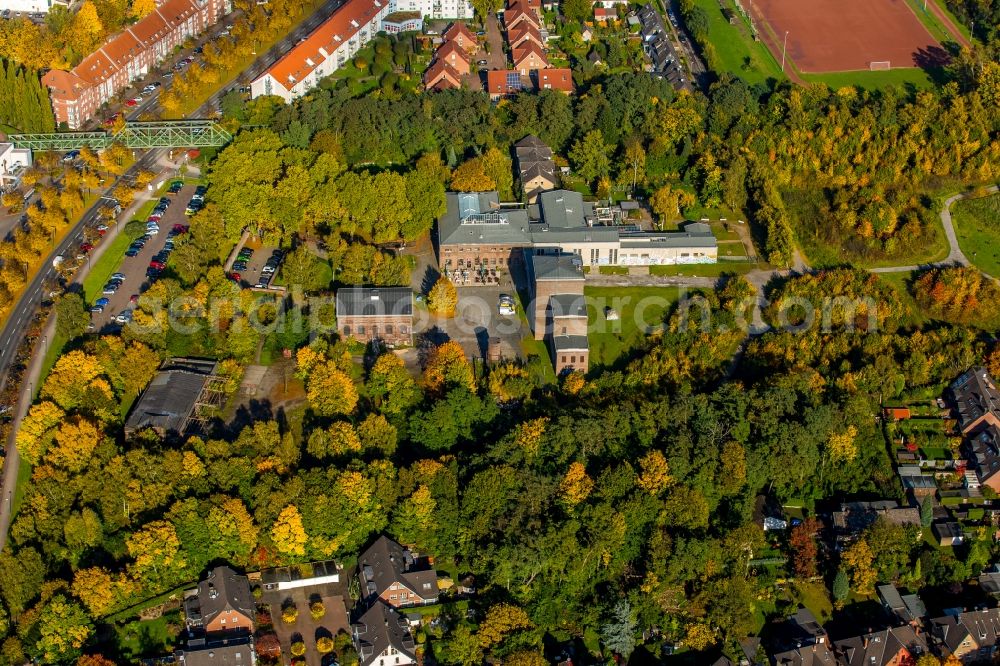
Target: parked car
(101, 301)
(132, 251)
(86, 247)
(175, 187)
(135, 101)
(124, 317)
(118, 276)
(506, 305)
(71, 155)
(97, 308)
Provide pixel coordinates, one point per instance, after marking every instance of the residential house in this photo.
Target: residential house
(169, 404)
(527, 57)
(602, 15)
(902, 608)
(560, 315)
(594, 58)
(221, 603)
(801, 641)
(238, 651)
(518, 13)
(657, 44)
(77, 94)
(982, 449)
(453, 54)
(442, 76)
(392, 574)
(854, 517)
(586, 33)
(326, 49)
(13, 162)
(535, 167)
(503, 83)
(559, 78)
(948, 533)
(989, 580)
(970, 636)
(898, 646)
(976, 399)
(896, 413)
(525, 32)
(376, 313)
(459, 33)
(918, 484)
(382, 638)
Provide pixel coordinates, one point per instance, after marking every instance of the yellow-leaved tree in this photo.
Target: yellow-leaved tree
(576, 485)
(842, 446)
(447, 367)
(288, 534)
(502, 620)
(155, 549)
(75, 442)
(330, 391)
(654, 477)
(860, 559)
(443, 298)
(33, 435)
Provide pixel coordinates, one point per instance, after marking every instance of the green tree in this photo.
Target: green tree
(591, 156)
(302, 268)
(618, 633)
(72, 318)
(577, 11)
(841, 586)
(927, 511)
(64, 629)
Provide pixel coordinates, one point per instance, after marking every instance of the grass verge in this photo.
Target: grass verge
(902, 77)
(735, 50)
(640, 310)
(977, 225)
(703, 270)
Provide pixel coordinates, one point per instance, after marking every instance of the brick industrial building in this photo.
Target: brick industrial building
(79, 93)
(376, 313)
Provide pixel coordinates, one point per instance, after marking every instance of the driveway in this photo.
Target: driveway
(305, 628)
(495, 59)
(476, 321)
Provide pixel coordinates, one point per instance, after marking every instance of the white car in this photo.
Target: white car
(506, 305)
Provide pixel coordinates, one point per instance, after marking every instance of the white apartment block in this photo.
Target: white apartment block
(436, 9)
(13, 162)
(331, 45)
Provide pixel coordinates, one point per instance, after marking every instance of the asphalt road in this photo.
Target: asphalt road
(20, 318)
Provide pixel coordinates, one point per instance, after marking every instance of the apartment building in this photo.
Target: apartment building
(13, 162)
(436, 9)
(79, 93)
(331, 45)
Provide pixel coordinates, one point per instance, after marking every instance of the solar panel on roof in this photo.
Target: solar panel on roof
(513, 81)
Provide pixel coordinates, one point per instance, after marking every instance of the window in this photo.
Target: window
(361, 330)
(404, 595)
(564, 330)
(392, 596)
(404, 329)
(572, 359)
(564, 358)
(388, 329)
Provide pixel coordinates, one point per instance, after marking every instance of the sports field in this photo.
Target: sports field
(846, 35)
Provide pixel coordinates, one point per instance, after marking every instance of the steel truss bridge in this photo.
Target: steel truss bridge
(165, 134)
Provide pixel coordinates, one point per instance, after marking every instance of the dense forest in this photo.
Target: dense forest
(847, 172)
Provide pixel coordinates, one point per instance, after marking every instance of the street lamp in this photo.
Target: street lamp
(783, 45)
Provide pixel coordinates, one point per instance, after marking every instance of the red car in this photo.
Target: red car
(180, 228)
(86, 247)
(108, 122)
(158, 265)
(131, 102)
(235, 277)
(134, 299)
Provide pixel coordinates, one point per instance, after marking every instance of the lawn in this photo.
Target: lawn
(910, 76)
(109, 262)
(735, 50)
(732, 249)
(704, 270)
(977, 224)
(640, 310)
(145, 638)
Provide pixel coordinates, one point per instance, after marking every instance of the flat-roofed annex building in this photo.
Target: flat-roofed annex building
(169, 403)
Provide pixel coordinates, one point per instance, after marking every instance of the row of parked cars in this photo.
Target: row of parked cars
(266, 273)
(197, 201)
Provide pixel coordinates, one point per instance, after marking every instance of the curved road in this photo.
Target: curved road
(20, 317)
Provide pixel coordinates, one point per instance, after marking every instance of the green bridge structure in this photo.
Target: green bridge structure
(163, 134)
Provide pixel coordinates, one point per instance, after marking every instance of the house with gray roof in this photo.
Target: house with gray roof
(971, 636)
(169, 403)
(394, 575)
(888, 647)
(237, 651)
(976, 399)
(376, 313)
(221, 603)
(536, 169)
(801, 641)
(382, 638)
(901, 608)
(477, 235)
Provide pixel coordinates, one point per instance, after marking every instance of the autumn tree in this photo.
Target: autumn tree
(391, 386)
(330, 391)
(288, 534)
(502, 620)
(667, 203)
(576, 485)
(654, 476)
(510, 382)
(447, 367)
(443, 297)
(802, 544)
(74, 444)
(155, 549)
(63, 629)
(860, 561)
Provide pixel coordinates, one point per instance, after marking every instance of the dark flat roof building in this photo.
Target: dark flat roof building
(169, 401)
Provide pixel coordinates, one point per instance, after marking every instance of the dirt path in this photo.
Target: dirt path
(948, 23)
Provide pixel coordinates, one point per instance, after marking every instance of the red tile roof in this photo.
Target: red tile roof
(497, 82)
(525, 52)
(460, 33)
(517, 13)
(555, 79)
(442, 76)
(455, 56)
(523, 31)
(346, 22)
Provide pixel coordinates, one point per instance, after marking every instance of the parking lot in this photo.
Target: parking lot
(476, 320)
(251, 275)
(134, 268)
